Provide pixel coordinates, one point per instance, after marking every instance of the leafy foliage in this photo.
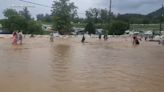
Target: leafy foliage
(34, 28)
(26, 13)
(10, 12)
(118, 28)
(90, 28)
(20, 22)
(92, 15)
(63, 12)
(45, 18)
(104, 15)
(14, 23)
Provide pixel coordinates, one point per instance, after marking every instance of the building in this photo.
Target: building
(148, 29)
(78, 31)
(47, 27)
(99, 31)
(145, 27)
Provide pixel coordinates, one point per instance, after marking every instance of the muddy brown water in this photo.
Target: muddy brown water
(66, 65)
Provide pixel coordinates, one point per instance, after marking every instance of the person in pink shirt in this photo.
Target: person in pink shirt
(14, 38)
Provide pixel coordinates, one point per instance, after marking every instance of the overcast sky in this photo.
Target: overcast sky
(118, 6)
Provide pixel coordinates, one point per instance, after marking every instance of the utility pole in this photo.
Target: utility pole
(109, 14)
(110, 10)
(161, 19)
(110, 6)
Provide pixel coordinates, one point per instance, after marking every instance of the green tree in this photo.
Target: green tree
(1, 20)
(47, 18)
(19, 22)
(104, 15)
(26, 13)
(15, 23)
(44, 18)
(34, 28)
(63, 11)
(118, 28)
(10, 12)
(90, 28)
(93, 15)
(40, 17)
(14, 20)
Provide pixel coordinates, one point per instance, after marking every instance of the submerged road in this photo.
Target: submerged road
(66, 65)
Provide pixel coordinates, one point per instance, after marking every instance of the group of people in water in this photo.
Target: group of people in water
(135, 38)
(105, 37)
(100, 36)
(17, 38)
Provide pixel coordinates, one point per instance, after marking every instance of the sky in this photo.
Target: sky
(118, 6)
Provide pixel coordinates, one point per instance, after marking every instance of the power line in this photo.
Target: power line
(35, 3)
(41, 5)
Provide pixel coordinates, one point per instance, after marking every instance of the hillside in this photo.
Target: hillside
(151, 18)
(156, 14)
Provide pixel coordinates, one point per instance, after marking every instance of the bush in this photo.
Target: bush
(20, 21)
(118, 28)
(90, 28)
(34, 28)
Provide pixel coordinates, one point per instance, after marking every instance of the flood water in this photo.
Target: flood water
(69, 66)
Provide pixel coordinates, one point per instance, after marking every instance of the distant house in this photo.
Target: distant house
(47, 27)
(78, 30)
(99, 31)
(162, 32)
(145, 27)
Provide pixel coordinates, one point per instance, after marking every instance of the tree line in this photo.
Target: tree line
(20, 21)
(64, 16)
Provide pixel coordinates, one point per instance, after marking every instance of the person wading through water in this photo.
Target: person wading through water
(15, 36)
(51, 37)
(83, 39)
(135, 41)
(20, 37)
(99, 36)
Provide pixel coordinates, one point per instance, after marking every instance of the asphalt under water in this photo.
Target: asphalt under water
(66, 65)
